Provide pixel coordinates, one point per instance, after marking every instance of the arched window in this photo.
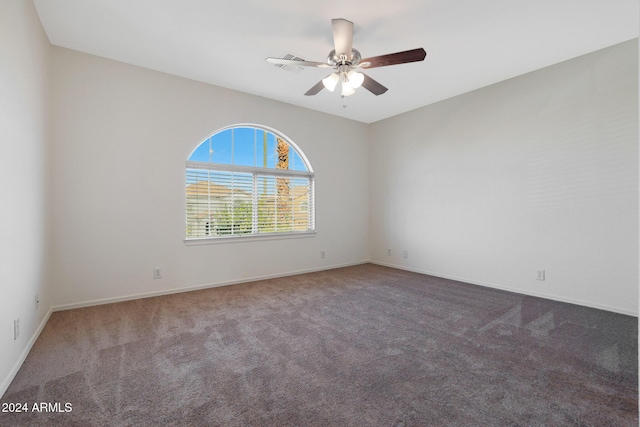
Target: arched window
(248, 180)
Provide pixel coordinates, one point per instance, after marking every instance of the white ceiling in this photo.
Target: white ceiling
(469, 43)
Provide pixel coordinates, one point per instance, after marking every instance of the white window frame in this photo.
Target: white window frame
(256, 172)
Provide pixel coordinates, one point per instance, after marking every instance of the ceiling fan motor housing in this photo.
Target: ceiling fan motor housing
(334, 59)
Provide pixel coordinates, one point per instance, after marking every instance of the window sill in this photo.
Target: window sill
(247, 238)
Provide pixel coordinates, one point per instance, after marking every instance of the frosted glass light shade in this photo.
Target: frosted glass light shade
(355, 79)
(331, 81)
(347, 89)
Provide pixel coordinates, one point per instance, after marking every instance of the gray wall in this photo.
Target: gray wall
(121, 137)
(537, 172)
(24, 177)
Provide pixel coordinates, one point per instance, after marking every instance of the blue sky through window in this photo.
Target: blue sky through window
(244, 146)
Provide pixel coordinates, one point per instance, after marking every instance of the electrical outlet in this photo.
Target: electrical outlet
(405, 254)
(388, 252)
(322, 254)
(157, 273)
(16, 329)
(540, 275)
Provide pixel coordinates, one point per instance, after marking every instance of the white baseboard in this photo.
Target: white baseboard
(507, 288)
(7, 381)
(23, 356)
(199, 287)
(18, 364)
(330, 267)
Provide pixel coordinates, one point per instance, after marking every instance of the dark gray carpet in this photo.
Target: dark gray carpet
(358, 346)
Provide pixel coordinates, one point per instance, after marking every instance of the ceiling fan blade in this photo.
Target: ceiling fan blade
(413, 55)
(315, 89)
(279, 61)
(342, 36)
(372, 86)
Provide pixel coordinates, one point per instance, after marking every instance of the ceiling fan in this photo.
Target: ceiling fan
(344, 60)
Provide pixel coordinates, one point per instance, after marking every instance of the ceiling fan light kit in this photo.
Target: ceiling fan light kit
(351, 81)
(344, 60)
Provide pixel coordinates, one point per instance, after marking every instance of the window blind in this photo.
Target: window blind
(244, 202)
